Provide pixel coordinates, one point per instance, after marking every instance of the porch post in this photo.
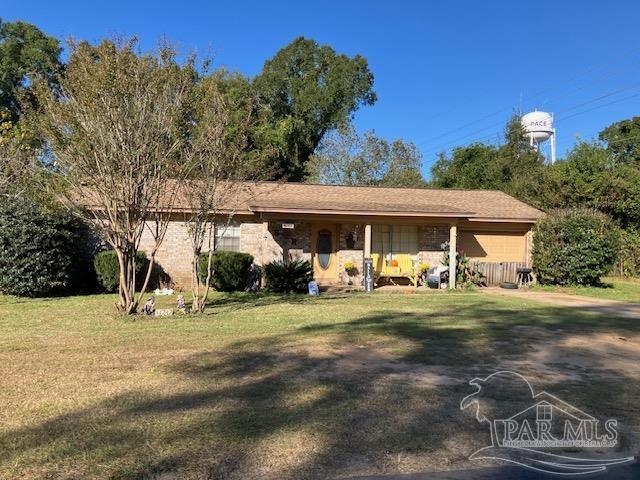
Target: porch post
(263, 250)
(453, 247)
(367, 241)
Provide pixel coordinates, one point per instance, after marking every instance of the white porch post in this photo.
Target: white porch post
(367, 241)
(453, 247)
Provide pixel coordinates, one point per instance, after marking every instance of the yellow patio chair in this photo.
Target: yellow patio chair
(407, 267)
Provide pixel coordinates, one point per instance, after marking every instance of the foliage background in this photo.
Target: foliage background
(42, 252)
(574, 247)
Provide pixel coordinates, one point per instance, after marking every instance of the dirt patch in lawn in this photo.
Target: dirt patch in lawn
(566, 356)
(380, 361)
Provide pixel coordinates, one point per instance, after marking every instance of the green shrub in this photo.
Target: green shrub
(629, 257)
(41, 252)
(108, 269)
(574, 247)
(467, 273)
(288, 277)
(230, 270)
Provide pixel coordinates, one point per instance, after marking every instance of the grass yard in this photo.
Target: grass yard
(288, 387)
(627, 290)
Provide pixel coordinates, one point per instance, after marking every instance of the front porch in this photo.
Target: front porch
(337, 249)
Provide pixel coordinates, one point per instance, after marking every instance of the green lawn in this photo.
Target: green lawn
(288, 387)
(627, 290)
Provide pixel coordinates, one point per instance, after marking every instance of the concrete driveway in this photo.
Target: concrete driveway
(596, 305)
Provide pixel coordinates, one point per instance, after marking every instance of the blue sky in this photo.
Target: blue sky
(446, 72)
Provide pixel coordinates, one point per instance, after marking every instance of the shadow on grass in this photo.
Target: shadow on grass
(245, 300)
(285, 407)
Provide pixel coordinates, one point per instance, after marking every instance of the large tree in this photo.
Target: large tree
(308, 89)
(25, 51)
(623, 140)
(591, 177)
(472, 166)
(513, 166)
(346, 158)
(117, 129)
(216, 165)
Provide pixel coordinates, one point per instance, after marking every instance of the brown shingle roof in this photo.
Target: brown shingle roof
(250, 198)
(477, 204)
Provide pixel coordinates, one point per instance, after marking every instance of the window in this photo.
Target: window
(228, 237)
(544, 413)
(394, 239)
(324, 248)
(404, 239)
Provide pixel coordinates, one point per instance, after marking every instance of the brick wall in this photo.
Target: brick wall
(294, 243)
(174, 255)
(351, 248)
(431, 239)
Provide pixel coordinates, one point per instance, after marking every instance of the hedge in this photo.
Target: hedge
(42, 252)
(574, 247)
(231, 270)
(108, 269)
(629, 258)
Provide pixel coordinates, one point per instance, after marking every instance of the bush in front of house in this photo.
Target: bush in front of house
(290, 277)
(108, 269)
(574, 247)
(41, 250)
(231, 270)
(629, 257)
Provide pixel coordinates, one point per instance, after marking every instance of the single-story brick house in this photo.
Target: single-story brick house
(331, 225)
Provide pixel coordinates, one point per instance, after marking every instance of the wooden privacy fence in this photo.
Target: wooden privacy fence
(496, 273)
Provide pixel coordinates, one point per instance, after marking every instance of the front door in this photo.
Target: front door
(324, 251)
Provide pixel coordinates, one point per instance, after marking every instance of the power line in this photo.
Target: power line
(615, 92)
(599, 106)
(594, 67)
(571, 90)
(608, 94)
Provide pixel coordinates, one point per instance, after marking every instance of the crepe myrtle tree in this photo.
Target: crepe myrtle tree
(116, 130)
(216, 168)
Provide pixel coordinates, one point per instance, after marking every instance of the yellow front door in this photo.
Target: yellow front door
(324, 248)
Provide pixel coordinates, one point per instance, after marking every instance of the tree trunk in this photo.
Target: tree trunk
(195, 280)
(152, 259)
(124, 300)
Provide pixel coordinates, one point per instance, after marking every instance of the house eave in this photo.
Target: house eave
(503, 220)
(369, 213)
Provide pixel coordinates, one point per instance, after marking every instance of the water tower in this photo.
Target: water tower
(538, 126)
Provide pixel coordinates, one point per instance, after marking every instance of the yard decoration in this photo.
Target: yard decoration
(150, 306)
(181, 306)
(314, 290)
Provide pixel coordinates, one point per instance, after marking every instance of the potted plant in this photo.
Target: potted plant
(423, 270)
(351, 270)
